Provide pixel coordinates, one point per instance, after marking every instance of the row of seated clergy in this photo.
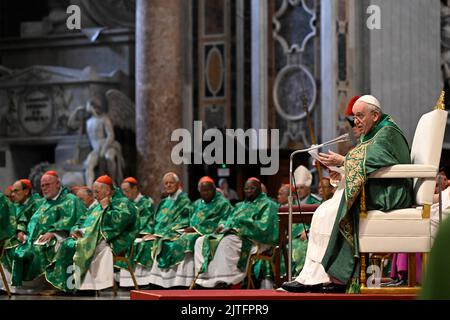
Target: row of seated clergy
(47, 250)
(84, 259)
(215, 246)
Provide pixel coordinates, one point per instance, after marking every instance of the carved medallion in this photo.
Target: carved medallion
(35, 112)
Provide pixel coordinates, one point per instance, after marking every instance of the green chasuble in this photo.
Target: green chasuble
(253, 221)
(204, 218)
(57, 216)
(24, 212)
(170, 216)
(145, 211)
(436, 285)
(116, 224)
(7, 218)
(385, 145)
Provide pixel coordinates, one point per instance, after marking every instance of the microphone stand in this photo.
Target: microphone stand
(343, 138)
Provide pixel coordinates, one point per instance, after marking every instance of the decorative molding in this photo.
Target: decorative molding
(294, 47)
(295, 100)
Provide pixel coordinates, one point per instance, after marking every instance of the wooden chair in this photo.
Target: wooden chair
(266, 255)
(2, 273)
(122, 258)
(406, 230)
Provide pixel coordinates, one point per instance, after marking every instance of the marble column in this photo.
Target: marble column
(159, 88)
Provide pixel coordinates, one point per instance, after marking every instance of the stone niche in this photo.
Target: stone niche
(35, 105)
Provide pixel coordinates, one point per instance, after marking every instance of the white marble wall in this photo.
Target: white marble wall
(404, 59)
(399, 63)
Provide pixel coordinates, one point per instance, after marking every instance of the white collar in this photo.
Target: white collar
(26, 201)
(138, 198)
(93, 204)
(59, 192)
(175, 195)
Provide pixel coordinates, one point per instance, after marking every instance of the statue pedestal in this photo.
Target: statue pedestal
(65, 151)
(65, 154)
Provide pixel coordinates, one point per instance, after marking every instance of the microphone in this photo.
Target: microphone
(343, 138)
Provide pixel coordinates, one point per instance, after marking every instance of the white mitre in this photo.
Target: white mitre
(302, 176)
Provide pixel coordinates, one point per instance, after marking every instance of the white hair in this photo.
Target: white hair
(172, 174)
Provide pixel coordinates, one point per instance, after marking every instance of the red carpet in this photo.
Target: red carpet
(256, 295)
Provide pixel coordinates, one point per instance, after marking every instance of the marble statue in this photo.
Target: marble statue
(100, 131)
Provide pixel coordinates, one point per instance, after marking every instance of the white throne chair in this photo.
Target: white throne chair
(406, 230)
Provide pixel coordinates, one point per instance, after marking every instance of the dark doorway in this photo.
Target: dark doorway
(26, 157)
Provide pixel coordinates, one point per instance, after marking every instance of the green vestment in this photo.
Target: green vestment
(116, 224)
(58, 216)
(436, 285)
(8, 223)
(204, 218)
(383, 146)
(253, 221)
(24, 212)
(170, 216)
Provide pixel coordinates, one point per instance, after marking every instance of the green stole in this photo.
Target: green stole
(385, 145)
(145, 211)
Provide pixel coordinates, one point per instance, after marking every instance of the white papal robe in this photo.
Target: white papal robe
(319, 236)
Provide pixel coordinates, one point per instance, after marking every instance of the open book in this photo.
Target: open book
(315, 154)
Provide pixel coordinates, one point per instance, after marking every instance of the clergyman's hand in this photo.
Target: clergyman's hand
(189, 230)
(303, 236)
(46, 237)
(149, 237)
(21, 236)
(76, 234)
(219, 229)
(331, 159)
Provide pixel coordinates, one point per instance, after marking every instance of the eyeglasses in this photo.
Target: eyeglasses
(251, 188)
(16, 190)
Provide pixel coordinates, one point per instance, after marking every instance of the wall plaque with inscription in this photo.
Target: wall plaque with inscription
(35, 112)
